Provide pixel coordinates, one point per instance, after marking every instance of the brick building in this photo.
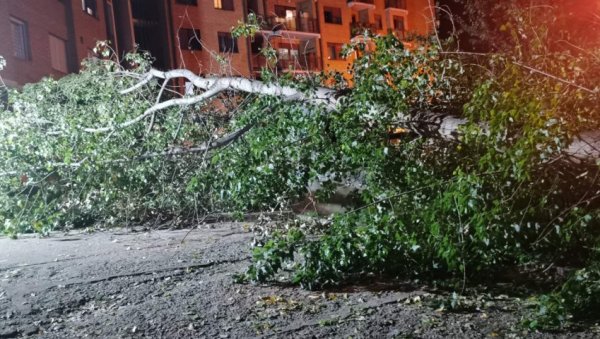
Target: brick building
(51, 37)
(202, 28)
(339, 24)
(309, 34)
(46, 37)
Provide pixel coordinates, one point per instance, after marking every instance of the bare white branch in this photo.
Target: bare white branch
(584, 147)
(165, 104)
(321, 95)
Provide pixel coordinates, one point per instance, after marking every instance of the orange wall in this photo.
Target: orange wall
(421, 19)
(417, 19)
(334, 33)
(209, 21)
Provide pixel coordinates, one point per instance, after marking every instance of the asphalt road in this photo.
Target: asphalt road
(118, 283)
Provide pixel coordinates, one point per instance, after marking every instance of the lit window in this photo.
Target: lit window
(227, 44)
(189, 39)
(20, 37)
(283, 54)
(58, 54)
(284, 11)
(224, 4)
(294, 54)
(89, 7)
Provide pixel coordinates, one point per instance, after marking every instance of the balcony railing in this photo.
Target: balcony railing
(400, 4)
(359, 28)
(303, 63)
(370, 2)
(299, 24)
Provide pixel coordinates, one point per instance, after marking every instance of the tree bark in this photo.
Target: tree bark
(583, 148)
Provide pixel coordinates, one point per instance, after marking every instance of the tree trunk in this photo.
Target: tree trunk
(583, 148)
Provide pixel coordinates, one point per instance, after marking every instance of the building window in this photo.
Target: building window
(398, 23)
(89, 7)
(189, 39)
(335, 51)
(227, 44)
(188, 2)
(20, 37)
(224, 4)
(58, 54)
(257, 45)
(398, 26)
(332, 15)
(283, 53)
(287, 51)
(285, 17)
(284, 11)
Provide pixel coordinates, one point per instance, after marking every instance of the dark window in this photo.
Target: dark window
(398, 23)
(332, 15)
(20, 37)
(335, 51)
(257, 45)
(189, 39)
(224, 4)
(227, 44)
(188, 2)
(398, 26)
(89, 7)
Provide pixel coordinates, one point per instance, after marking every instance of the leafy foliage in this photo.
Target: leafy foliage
(499, 196)
(248, 28)
(58, 175)
(578, 298)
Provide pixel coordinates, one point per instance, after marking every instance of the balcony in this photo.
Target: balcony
(370, 2)
(397, 4)
(361, 4)
(302, 64)
(396, 7)
(359, 28)
(298, 24)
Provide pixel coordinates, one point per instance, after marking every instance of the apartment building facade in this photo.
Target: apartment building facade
(44, 38)
(51, 37)
(308, 35)
(341, 24)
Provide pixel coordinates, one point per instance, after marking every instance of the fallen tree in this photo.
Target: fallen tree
(583, 147)
(469, 187)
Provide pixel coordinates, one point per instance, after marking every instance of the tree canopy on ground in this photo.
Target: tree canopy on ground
(467, 163)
